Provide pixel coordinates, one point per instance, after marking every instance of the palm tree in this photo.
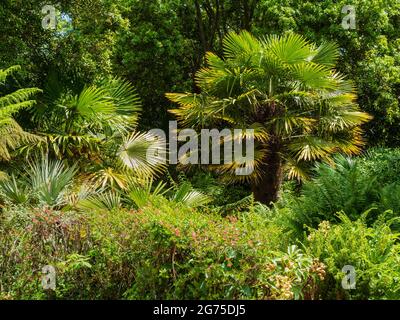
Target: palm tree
(77, 124)
(288, 91)
(11, 133)
(95, 128)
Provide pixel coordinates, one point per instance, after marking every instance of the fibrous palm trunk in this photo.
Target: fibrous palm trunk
(267, 188)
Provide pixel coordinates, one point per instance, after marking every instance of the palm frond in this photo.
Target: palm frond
(289, 48)
(104, 201)
(144, 154)
(190, 197)
(124, 97)
(142, 194)
(327, 54)
(12, 135)
(4, 73)
(49, 180)
(311, 148)
(92, 101)
(289, 88)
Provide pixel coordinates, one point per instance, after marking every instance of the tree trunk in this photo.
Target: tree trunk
(200, 26)
(266, 190)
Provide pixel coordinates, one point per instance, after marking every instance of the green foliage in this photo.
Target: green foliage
(42, 181)
(372, 251)
(18, 46)
(284, 88)
(221, 193)
(383, 164)
(161, 251)
(76, 125)
(144, 154)
(94, 130)
(14, 192)
(103, 201)
(50, 180)
(182, 193)
(133, 38)
(12, 135)
(370, 54)
(92, 207)
(350, 185)
(339, 188)
(187, 195)
(141, 195)
(45, 237)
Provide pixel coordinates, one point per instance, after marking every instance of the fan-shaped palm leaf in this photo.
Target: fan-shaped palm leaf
(144, 153)
(104, 201)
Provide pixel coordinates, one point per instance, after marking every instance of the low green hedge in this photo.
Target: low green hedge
(167, 251)
(163, 251)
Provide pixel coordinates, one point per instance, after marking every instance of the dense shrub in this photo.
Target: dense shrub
(221, 193)
(372, 251)
(161, 251)
(80, 191)
(382, 163)
(352, 185)
(30, 240)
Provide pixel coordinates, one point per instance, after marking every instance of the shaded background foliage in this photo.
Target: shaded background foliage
(160, 44)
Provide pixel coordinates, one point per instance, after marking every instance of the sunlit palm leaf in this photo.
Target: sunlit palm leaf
(109, 178)
(104, 201)
(192, 198)
(13, 191)
(144, 153)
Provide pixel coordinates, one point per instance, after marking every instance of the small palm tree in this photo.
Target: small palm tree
(12, 135)
(95, 128)
(288, 91)
(77, 124)
(42, 181)
(49, 180)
